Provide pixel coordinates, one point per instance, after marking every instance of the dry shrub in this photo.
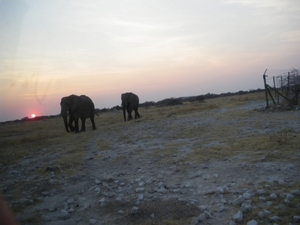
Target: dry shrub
(283, 136)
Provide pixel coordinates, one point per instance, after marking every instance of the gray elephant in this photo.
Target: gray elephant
(130, 102)
(78, 107)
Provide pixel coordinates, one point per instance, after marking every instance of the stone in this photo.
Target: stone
(252, 222)
(273, 196)
(134, 210)
(207, 215)
(274, 219)
(261, 192)
(263, 214)
(220, 190)
(64, 214)
(296, 218)
(246, 207)
(202, 208)
(238, 200)
(201, 217)
(97, 182)
(231, 222)
(238, 217)
(139, 190)
(247, 195)
(92, 221)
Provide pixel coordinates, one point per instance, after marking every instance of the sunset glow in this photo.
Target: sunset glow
(32, 115)
(156, 49)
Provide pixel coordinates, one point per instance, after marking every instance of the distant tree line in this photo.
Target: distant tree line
(165, 102)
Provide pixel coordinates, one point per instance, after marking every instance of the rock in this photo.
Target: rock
(274, 219)
(92, 221)
(64, 214)
(202, 207)
(238, 200)
(194, 221)
(71, 201)
(201, 217)
(273, 196)
(220, 190)
(238, 217)
(296, 218)
(134, 210)
(261, 192)
(139, 190)
(263, 214)
(52, 208)
(252, 222)
(207, 215)
(295, 192)
(246, 207)
(289, 197)
(231, 222)
(97, 182)
(247, 195)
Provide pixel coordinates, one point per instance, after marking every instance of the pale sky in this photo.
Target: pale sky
(157, 49)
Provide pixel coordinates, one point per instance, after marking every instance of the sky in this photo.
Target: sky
(155, 48)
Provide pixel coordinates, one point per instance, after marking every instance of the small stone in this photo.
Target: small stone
(246, 207)
(252, 222)
(238, 217)
(231, 222)
(290, 196)
(261, 192)
(92, 221)
(247, 195)
(207, 215)
(295, 192)
(273, 196)
(97, 182)
(202, 208)
(274, 219)
(238, 200)
(220, 190)
(296, 218)
(139, 190)
(51, 209)
(64, 214)
(201, 217)
(71, 201)
(263, 214)
(134, 210)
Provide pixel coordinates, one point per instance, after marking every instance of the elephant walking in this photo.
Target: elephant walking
(130, 102)
(78, 107)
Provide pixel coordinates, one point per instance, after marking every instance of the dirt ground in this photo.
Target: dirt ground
(164, 171)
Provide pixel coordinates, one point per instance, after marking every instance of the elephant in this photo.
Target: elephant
(78, 107)
(130, 102)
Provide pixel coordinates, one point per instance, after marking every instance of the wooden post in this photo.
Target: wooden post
(275, 92)
(266, 88)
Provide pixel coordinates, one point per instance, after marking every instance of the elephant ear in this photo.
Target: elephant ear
(75, 102)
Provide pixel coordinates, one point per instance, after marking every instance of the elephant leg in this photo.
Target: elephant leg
(136, 114)
(76, 125)
(129, 110)
(82, 124)
(71, 119)
(93, 122)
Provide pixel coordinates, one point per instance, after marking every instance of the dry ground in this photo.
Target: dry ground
(228, 141)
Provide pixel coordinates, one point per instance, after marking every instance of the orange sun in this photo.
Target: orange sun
(33, 115)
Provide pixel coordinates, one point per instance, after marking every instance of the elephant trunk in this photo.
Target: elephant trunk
(64, 115)
(124, 113)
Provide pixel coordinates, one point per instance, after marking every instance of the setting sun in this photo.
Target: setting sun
(33, 115)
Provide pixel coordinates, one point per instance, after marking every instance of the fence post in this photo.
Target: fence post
(266, 92)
